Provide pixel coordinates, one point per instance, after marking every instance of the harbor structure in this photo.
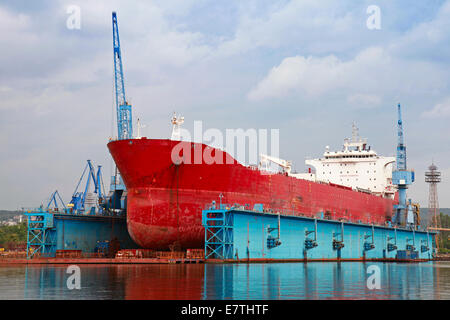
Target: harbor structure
(233, 234)
(433, 177)
(346, 199)
(402, 178)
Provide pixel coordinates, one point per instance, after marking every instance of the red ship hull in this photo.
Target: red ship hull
(165, 199)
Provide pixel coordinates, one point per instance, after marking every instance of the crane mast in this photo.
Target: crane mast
(124, 120)
(285, 164)
(402, 177)
(401, 148)
(118, 194)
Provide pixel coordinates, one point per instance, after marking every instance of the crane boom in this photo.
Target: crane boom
(124, 120)
(285, 164)
(401, 148)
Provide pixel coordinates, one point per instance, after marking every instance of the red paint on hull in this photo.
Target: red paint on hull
(165, 200)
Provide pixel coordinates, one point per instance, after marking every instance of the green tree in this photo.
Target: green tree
(13, 234)
(445, 223)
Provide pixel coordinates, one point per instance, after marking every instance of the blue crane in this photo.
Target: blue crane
(79, 197)
(117, 197)
(54, 199)
(401, 148)
(124, 120)
(402, 177)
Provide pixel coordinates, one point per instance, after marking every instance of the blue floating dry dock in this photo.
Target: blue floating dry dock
(49, 231)
(232, 234)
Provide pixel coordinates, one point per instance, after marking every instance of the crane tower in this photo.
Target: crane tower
(433, 177)
(402, 177)
(124, 121)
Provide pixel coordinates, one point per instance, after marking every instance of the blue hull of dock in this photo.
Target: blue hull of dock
(49, 232)
(82, 232)
(249, 235)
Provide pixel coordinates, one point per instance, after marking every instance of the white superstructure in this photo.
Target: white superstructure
(177, 121)
(356, 166)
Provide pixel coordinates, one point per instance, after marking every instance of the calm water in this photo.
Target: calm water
(230, 281)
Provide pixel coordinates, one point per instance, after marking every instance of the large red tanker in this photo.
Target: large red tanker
(166, 197)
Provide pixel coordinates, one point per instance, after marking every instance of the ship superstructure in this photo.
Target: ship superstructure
(356, 166)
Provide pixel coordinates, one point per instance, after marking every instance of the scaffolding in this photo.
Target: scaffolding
(218, 233)
(41, 234)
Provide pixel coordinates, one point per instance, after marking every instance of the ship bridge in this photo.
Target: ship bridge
(355, 166)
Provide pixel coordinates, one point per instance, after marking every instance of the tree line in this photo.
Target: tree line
(13, 237)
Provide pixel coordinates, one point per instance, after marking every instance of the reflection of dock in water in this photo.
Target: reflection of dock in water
(318, 280)
(312, 280)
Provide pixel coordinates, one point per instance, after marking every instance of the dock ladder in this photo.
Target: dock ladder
(41, 234)
(218, 225)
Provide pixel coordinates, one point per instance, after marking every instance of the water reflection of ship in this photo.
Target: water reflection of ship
(162, 282)
(314, 280)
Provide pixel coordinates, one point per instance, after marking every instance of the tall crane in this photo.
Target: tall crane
(117, 197)
(124, 120)
(402, 177)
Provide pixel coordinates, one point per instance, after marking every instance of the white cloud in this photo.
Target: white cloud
(440, 110)
(10, 22)
(288, 24)
(5, 89)
(363, 100)
(372, 70)
(429, 39)
(314, 76)
(309, 74)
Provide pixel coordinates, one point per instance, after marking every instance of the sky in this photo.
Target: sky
(307, 68)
